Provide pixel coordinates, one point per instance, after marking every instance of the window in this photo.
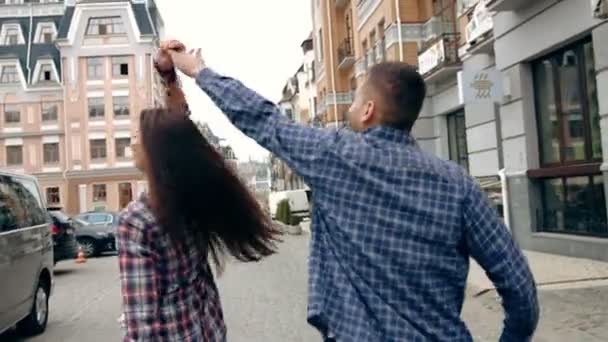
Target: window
(49, 112)
(99, 195)
(457, 139)
(9, 74)
(571, 185)
(120, 67)
(46, 73)
(50, 153)
(52, 196)
(100, 218)
(95, 68)
(98, 149)
(20, 204)
(97, 108)
(46, 34)
(105, 26)
(11, 37)
(567, 107)
(575, 205)
(121, 145)
(14, 155)
(12, 114)
(121, 106)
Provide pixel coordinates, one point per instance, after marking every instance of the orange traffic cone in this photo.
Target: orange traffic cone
(81, 259)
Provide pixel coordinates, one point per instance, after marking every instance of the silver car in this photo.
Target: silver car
(26, 255)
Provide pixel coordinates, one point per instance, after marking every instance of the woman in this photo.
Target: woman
(196, 207)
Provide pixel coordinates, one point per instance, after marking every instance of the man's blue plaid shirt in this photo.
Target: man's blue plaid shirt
(392, 230)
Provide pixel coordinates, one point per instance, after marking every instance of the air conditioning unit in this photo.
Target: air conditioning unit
(599, 9)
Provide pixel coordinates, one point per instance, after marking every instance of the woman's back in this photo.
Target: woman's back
(169, 293)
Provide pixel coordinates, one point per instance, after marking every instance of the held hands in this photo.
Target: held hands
(189, 63)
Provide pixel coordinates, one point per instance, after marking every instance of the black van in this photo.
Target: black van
(26, 255)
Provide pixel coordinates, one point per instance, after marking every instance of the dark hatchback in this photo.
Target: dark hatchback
(95, 238)
(65, 246)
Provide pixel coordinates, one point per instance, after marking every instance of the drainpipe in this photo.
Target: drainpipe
(399, 31)
(29, 46)
(331, 63)
(505, 197)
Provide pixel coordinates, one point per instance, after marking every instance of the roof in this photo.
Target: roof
(146, 17)
(66, 20)
(37, 51)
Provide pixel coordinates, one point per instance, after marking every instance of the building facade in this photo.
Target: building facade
(75, 76)
(539, 149)
(298, 103)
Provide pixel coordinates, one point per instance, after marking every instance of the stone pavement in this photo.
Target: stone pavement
(550, 271)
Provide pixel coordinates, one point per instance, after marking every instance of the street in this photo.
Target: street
(267, 302)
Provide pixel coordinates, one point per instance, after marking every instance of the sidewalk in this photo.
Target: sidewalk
(550, 271)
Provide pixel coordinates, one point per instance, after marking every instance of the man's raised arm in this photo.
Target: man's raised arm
(257, 117)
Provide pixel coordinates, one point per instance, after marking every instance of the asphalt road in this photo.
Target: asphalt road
(267, 302)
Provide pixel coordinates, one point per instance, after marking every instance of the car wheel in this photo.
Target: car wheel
(35, 322)
(89, 247)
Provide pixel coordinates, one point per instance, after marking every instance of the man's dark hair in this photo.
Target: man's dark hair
(401, 90)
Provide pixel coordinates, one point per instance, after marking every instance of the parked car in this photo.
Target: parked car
(95, 238)
(65, 246)
(99, 217)
(26, 255)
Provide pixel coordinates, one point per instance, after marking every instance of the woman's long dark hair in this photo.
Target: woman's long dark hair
(196, 196)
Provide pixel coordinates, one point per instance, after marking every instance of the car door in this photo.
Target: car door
(28, 241)
(8, 231)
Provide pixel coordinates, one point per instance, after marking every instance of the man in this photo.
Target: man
(393, 227)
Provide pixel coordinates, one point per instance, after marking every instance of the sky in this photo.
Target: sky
(255, 41)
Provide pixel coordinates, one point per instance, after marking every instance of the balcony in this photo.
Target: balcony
(360, 67)
(439, 59)
(435, 27)
(346, 55)
(479, 30)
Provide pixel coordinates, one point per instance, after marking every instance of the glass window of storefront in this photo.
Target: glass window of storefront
(571, 184)
(457, 139)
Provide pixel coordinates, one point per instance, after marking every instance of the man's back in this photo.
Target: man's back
(393, 229)
(389, 258)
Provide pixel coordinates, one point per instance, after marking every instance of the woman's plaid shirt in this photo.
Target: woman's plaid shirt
(168, 294)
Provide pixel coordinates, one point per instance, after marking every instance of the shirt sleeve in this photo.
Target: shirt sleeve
(490, 243)
(139, 284)
(261, 120)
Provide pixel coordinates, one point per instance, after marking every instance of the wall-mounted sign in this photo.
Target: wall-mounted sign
(431, 58)
(480, 86)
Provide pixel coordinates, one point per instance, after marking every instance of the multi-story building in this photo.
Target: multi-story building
(298, 103)
(74, 77)
(539, 147)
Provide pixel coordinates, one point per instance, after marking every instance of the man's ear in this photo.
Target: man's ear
(370, 112)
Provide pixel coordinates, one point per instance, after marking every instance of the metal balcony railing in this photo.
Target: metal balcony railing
(346, 54)
(439, 53)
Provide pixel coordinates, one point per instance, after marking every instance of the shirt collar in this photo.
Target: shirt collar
(391, 134)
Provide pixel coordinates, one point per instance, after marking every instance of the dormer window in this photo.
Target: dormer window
(103, 26)
(46, 73)
(9, 74)
(45, 33)
(11, 34)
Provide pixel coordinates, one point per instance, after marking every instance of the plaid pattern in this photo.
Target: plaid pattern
(168, 295)
(393, 229)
